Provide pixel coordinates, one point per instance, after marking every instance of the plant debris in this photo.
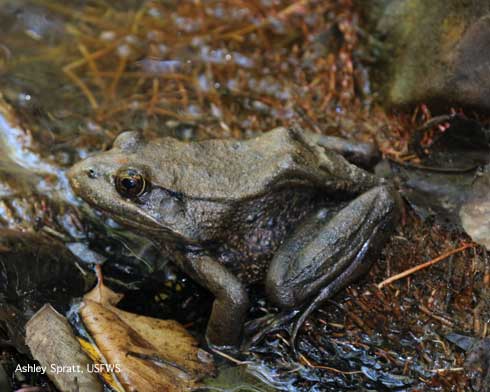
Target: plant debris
(146, 354)
(61, 357)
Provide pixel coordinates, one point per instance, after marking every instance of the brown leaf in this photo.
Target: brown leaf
(153, 355)
(59, 355)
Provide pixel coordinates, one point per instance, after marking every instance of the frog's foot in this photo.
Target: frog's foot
(232, 352)
(288, 320)
(256, 330)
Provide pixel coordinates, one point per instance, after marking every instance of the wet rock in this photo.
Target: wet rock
(439, 52)
(35, 22)
(85, 254)
(33, 191)
(246, 378)
(4, 380)
(451, 182)
(455, 143)
(477, 361)
(433, 194)
(475, 213)
(34, 270)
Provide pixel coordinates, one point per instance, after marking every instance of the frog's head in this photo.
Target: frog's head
(119, 182)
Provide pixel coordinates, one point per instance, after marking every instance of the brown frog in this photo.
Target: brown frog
(280, 208)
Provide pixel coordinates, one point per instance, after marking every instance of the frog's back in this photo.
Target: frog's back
(224, 169)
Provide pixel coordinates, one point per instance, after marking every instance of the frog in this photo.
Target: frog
(280, 209)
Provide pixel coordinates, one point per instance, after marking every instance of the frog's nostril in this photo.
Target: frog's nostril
(91, 173)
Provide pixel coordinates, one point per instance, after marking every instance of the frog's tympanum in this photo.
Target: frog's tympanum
(278, 208)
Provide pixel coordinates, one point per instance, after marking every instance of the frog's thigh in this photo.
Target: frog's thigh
(328, 253)
(231, 300)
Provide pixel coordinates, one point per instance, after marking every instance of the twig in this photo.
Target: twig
(92, 56)
(121, 66)
(68, 11)
(238, 34)
(92, 65)
(85, 90)
(230, 358)
(419, 267)
(456, 369)
(154, 95)
(312, 365)
(434, 121)
(359, 321)
(428, 312)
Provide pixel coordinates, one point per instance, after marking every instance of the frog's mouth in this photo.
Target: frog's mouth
(147, 225)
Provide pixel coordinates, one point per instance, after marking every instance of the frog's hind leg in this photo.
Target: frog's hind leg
(325, 254)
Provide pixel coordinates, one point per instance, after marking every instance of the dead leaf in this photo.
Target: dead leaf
(95, 356)
(149, 354)
(60, 354)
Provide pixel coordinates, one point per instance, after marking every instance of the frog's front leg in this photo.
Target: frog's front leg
(231, 299)
(327, 253)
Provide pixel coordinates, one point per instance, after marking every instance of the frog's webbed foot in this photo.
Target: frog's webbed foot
(256, 330)
(325, 254)
(288, 320)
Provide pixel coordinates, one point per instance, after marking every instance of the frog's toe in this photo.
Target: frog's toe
(256, 330)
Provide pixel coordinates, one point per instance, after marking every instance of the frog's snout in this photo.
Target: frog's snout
(81, 174)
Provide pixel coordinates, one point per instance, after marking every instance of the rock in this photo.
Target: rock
(477, 362)
(475, 212)
(438, 52)
(4, 380)
(35, 269)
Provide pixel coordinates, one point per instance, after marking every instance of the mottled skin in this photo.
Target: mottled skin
(228, 213)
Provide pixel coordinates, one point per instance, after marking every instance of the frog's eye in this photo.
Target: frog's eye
(130, 183)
